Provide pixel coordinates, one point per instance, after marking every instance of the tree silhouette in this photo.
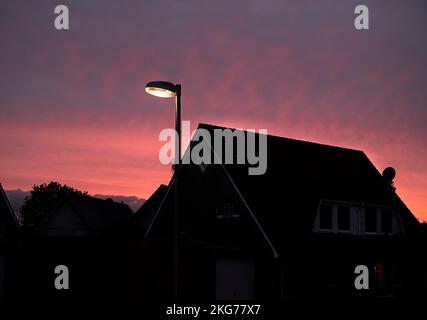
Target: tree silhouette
(40, 201)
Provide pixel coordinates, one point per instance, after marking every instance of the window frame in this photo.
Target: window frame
(357, 219)
(349, 217)
(331, 216)
(377, 221)
(334, 216)
(221, 206)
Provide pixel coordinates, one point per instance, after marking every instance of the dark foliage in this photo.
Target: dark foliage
(40, 201)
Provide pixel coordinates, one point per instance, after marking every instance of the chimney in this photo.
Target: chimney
(389, 174)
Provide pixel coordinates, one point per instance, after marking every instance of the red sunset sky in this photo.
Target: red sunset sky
(73, 107)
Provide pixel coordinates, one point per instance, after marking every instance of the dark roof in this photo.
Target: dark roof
(327, 171)
(299, 174)
(98, 214)
(144, 215)
(8, 220)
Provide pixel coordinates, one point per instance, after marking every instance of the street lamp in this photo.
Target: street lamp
(164, 89)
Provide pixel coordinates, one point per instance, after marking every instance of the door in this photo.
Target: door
(235, 279)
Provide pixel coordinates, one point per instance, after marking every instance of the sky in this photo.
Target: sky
(73, 107)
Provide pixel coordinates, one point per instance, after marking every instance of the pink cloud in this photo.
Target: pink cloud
(74, 108)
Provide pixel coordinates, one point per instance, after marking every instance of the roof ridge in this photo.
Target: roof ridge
(89, 197)
(207, 126)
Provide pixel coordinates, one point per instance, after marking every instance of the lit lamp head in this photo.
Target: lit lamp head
(162, 89)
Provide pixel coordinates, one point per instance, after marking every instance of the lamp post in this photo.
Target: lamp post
(165, 89)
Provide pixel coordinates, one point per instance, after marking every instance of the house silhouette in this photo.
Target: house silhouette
(297, 232)
(82, 215)
(87, 235)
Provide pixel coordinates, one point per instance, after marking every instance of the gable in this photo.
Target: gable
(65, 222)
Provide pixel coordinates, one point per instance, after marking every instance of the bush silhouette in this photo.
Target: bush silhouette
(40, 201)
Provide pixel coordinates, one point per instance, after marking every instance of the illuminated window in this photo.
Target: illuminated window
(379, 274)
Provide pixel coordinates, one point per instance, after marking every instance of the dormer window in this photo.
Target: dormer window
(357, 218)
(381, 221)
(334, 218)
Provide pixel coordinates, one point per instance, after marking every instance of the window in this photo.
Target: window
(334, 217)
(325, 216)
(370, 219)
(343, 218)
(386, 221)
(226, 210)
(357, 218)
(379, 275)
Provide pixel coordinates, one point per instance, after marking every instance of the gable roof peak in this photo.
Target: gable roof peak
(211, 127)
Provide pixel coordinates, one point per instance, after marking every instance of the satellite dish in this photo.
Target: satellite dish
(389, 174)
